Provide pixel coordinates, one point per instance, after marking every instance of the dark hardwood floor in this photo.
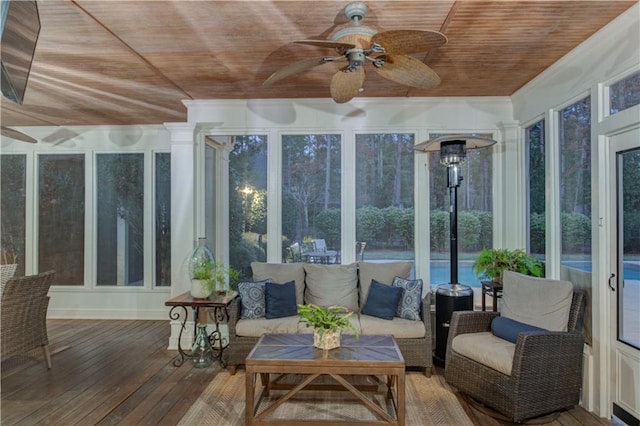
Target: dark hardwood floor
(120, 372)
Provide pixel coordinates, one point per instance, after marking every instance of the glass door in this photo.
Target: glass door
(624, 284)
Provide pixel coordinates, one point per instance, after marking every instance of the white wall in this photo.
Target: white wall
(606, 57)
(91, 301)
(420, 116)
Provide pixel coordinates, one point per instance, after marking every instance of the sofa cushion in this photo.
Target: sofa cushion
(328, 285)
(383, 272)
(411, 300)
(258, 327)
(382, 301)
(398, 327)
(280, 300)
(252, 299)
(281, 273)
(486, 349)
(508, 329)
(540, 302)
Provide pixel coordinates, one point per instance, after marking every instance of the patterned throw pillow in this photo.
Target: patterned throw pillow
(411, 300)
(252, 299)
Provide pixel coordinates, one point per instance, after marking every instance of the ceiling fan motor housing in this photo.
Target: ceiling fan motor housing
(356, 10)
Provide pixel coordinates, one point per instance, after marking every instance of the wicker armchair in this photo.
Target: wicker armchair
(546, 371)
(23, 325)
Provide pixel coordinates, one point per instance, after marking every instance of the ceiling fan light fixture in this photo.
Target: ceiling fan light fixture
(348, 33)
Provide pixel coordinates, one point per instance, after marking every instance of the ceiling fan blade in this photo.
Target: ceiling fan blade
(326, 43)
(408, 70)
(295, 68)
(14, 134)
(409, 41)
(346, 85)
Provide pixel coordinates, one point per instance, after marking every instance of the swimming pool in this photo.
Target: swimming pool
(441, 273)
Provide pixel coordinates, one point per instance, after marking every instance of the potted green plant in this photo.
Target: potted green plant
(209, 276)
(491, 264)
(327, 324)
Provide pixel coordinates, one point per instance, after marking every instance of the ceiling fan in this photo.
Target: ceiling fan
(14, 134)
(388, 51)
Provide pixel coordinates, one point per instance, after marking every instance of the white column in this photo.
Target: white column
(183, 207)
(509, 183)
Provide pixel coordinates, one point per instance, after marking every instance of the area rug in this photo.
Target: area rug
(428, 402)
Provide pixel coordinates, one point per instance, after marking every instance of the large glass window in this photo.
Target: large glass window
(475, 214)
(163, 219)
(311, 197)
(574, 130)
(624, 93)
(13, 194)
(385, 196)
(120, 214)
(536, 192)
(247, 203)
(61, 204)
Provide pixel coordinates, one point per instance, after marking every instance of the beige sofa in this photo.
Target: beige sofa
(344, 285)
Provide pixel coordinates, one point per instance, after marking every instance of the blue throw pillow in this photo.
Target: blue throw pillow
(508, 329)
(382, 301)
(252, 299)
(411, 300)
(280, 300)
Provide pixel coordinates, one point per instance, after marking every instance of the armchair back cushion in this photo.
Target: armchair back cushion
(281, 273)
(540, 302)
(329, 285)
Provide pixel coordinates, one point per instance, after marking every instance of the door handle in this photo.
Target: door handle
(611, 278)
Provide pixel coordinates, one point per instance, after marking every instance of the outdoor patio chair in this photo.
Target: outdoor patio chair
(23, 315)
(360, 246)
(520, 374)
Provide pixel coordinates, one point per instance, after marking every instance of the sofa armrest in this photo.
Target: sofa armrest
(426, 313)
(234, 315)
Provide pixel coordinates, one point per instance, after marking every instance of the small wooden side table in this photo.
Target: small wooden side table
(218, 303)
(493, 289)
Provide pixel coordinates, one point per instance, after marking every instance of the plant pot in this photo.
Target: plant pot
(200, 289)
(326, 339)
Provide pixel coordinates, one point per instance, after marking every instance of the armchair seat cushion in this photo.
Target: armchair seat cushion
(486, 349)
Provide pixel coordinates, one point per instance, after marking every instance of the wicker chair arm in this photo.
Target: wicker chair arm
(549, 357)
(463, 322)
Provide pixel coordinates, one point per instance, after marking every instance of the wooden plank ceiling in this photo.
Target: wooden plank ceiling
(133, 62)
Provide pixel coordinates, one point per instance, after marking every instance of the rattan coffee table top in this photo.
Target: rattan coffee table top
(299, 347)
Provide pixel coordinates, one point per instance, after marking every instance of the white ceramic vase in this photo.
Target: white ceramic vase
(199, 289)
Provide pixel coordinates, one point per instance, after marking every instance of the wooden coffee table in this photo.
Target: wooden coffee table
(294, 354)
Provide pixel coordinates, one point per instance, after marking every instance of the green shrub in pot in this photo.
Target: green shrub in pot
(491, 263)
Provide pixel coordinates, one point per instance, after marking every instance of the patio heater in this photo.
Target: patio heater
(452, 296)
